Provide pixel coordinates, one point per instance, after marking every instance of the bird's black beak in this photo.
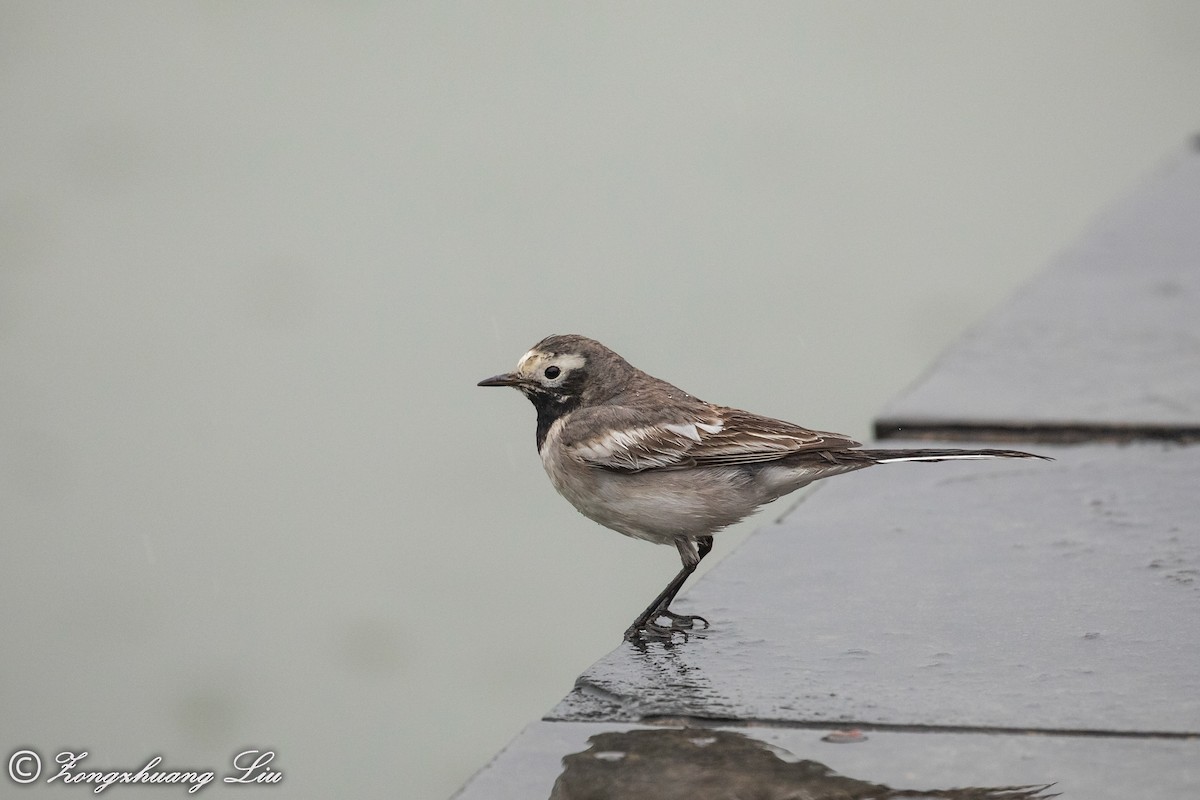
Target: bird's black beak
(507, 379)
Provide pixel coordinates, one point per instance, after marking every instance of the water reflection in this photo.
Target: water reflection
(680, 685)
(655, 680)
(700, 764)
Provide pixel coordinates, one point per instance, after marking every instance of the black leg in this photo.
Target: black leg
(691, 553)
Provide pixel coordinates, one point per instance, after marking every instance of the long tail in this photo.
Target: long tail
(894, 456)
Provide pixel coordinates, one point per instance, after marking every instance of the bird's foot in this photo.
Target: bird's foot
(652, 629)
(682, 621)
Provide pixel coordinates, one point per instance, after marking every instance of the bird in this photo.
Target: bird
(646, 459)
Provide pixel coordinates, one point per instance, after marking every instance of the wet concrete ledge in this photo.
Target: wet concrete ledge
(957, 630)
(983, 596)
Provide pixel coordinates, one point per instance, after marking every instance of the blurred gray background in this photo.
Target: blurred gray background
(254, 257)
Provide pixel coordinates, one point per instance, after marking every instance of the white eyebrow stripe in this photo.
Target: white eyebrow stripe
(572, 361)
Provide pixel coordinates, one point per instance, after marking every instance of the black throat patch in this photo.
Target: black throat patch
(549, 409)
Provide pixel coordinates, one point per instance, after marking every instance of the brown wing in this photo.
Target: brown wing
(748, 438)
(619, 438)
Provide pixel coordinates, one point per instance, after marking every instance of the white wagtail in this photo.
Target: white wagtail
(648, 460)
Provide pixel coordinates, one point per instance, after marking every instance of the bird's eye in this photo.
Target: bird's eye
(552, 372)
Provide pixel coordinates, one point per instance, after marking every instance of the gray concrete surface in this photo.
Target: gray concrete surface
(1022, 595)
(1104, 345)
(982, 625)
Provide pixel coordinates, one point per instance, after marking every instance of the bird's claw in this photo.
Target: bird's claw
(651, 629)
(682, 621)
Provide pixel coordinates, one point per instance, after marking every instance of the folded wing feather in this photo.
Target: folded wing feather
(619, 439)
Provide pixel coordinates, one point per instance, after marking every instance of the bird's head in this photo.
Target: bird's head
(566, 371)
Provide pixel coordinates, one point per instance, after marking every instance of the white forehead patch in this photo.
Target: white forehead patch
(525, 359)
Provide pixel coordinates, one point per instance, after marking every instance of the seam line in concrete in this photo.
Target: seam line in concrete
(751, 722)
(1036, 432)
